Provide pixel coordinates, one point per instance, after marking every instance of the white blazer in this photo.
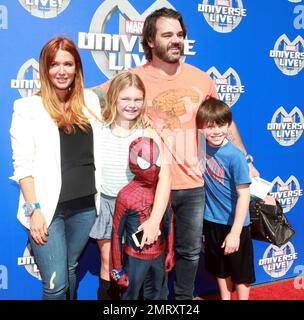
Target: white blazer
(36, 151)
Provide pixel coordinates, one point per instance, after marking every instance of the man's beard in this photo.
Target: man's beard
(162, 53)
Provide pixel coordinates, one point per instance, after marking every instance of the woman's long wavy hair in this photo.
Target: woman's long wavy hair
(73, 115)
(120, 82)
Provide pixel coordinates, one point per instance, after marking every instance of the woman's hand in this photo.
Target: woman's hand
(38, 227)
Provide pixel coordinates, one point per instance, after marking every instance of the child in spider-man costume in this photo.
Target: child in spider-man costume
(133, 266)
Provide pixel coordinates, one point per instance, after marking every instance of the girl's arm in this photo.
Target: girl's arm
(151, 226)
(232, 240)
(162, 195)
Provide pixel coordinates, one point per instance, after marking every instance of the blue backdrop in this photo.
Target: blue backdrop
(252, 49)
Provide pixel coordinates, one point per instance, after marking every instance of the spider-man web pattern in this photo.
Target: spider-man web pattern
(134, 205)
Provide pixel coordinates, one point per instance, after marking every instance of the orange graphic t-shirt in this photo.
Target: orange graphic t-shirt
(172, 104)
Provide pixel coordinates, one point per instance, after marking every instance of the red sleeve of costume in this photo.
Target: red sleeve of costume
(170, 245)
(117, 233)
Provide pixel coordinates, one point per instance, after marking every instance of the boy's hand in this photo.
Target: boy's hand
(123, 281)
(231, 243)
(270, 200)
(169, 261)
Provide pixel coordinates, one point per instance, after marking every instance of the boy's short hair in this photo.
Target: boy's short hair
(212, 111)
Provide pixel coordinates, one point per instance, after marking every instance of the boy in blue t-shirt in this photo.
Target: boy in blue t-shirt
(228, 245)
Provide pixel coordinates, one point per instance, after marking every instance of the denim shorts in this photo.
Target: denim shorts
(102, 228)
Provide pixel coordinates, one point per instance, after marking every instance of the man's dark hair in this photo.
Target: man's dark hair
(213, 111)
(149, 28)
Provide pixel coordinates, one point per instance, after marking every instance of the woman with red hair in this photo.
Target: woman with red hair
(56, 145)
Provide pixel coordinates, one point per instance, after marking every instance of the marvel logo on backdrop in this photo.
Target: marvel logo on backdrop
(114, 52)
(46, 9)
(287, 193)
(288, 55)
(27, 81)
(277, 261)
(3, 17)
(222, 15)
(286, 128)
(28, 261)
(228, 85)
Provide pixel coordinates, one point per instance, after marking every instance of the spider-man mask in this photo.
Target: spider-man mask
(144, 160)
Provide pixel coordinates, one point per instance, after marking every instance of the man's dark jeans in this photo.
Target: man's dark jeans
(188, 207)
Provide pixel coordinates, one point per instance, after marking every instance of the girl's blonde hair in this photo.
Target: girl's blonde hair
(73, 115)
(118, 83)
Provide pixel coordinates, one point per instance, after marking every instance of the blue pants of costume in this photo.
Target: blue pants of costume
(147, 273)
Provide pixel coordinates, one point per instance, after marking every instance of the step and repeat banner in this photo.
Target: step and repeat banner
(253, 50)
